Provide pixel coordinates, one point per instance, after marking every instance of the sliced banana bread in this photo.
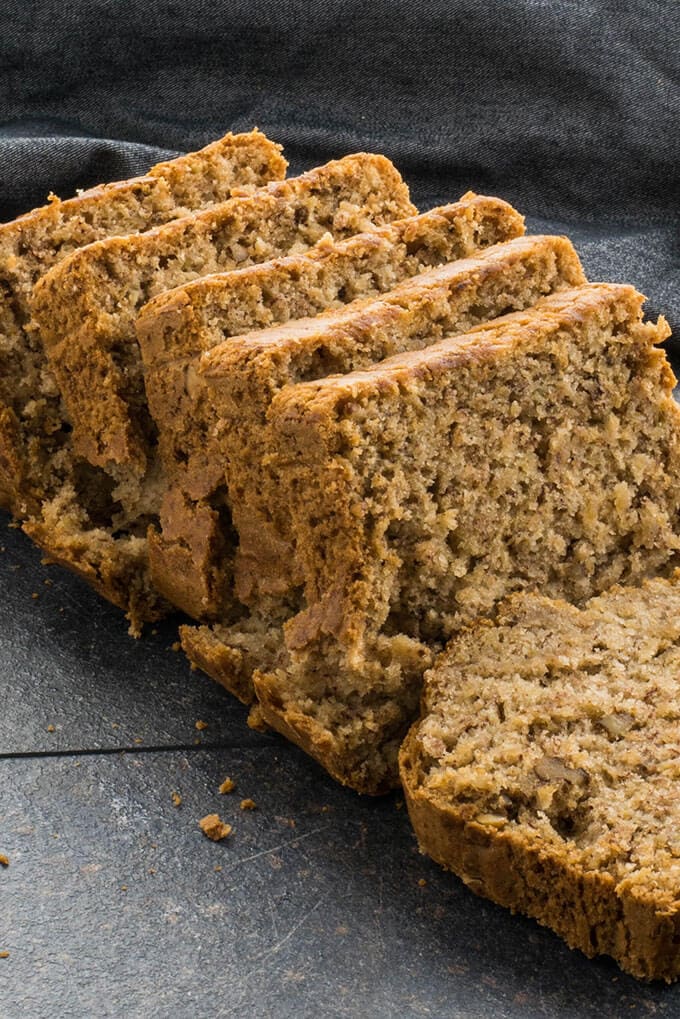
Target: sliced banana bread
(545, 769)
(31, 414)
(207, 553)
(109, 490)
(538, 451)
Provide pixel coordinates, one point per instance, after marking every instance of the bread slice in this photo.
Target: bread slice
(95, 518)
(190, 562)
(545, 769)
(251, 549)
(31, 415)
(538, 451)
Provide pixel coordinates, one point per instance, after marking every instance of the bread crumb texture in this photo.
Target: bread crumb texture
(545, 769)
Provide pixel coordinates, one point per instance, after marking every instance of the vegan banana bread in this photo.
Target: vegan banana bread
(545, 769)
(539, 451)
(96, 520)
(31, 415)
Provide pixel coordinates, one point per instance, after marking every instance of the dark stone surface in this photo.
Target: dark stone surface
(66, 660)
(112, 906)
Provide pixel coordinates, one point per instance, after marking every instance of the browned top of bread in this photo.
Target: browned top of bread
(189, 319)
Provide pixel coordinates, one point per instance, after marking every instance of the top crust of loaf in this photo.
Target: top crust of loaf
(293, 337)
(318, 399)
(84, 272)
(186, 312)
(257, 158)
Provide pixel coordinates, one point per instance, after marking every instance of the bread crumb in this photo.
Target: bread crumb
(200, 725)
(218, 868)
(4, 955)
(115, 725)
(50, 728)
(123, 888)
(35, 596)
(227, 786)
(138, 740)
(176, 646)
(176, 799)
(152, 870)
(399, 805)
(248, 804)
(14, 526)
(422, 883)
(4, 860)
(214, 828)
(154, 632)
(48, 582)
(194, 668)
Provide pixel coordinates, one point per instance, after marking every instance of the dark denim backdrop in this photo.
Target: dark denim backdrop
(570, 108)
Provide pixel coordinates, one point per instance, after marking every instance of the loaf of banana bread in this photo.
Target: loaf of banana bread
(32, 419)
(545, 769)
(96, 521)
(539, 451)
(194, 437)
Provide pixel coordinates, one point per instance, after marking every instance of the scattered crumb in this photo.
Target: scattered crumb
(51, 728)
(214, 828)
(194, 668)
(176, 799)
(176, 646)
(55, 835)
(114, 725)
(422, 883)
(197, 742)
(123, 888)
(35, 596)
(48, 582)
(138, 740)
(325, 809)
(227, 786)
(4, 860)
(152, 870)
(200, 725)
(4, 955)
(14, 526)
(342, 929)
(77, 764)
(154, 632)
(218, 868)
(248, 804)
(61, 609)
(399, 805)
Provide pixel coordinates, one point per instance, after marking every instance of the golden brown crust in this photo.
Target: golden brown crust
(187, 314)
(231, 667)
